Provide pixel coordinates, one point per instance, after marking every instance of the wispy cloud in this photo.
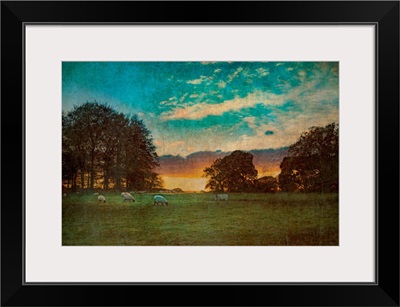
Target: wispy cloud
(200, 80)
(308, 97)
(172, 101)
(202, 110)
(247, 73)
(262, 72)
(250, 120)
(234, 74)
(183, 97)
(221, 84)
(302, 73)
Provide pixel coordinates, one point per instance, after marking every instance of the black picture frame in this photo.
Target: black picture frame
(383, 14)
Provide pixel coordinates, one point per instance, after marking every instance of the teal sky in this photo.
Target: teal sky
(199, 106)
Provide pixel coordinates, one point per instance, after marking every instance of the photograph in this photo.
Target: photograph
(202, 153)
(245, 146)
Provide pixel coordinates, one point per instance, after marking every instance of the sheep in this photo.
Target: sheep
(160, 200)
(101, 198)
(96, 194)
(127, 196)
(221, 197)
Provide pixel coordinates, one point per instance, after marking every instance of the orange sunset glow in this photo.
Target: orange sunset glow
(186, 172)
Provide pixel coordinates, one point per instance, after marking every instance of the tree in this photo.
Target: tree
(232, 173)
(313, 161)
(73, 155)
(107, 148)
(217, 177)
(88, 133)
(140, 155)
(154, 182)
(266, 184)
(289, 178)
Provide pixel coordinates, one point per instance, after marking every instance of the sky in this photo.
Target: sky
(192, 107)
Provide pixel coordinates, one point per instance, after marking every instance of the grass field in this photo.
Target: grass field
(198, 220)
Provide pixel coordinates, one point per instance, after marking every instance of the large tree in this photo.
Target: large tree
(106, 147)
(313, 161)
(232, 173)
(88, 132)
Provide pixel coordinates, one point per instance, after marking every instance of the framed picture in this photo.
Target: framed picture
(244, 148)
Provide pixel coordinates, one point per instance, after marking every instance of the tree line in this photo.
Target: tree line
(312, 165)
(102, 148)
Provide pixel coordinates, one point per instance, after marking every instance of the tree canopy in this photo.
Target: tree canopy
(104, 148)
(232, 173)
(313, 161)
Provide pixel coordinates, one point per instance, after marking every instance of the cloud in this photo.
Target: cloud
(309, 98)
(302, 73)
(217, 70)
(201, 110)
(234, 74)
(183, 97)
(259, 119)
(221, 84)
(172, 101)
(200, 80)
(262, 72)
(251, 120)
(247, 73)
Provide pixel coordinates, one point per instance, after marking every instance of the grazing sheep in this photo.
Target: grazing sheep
(221, 197)
(127, 196)
(101, 198)
(160, 200)
(95, 194)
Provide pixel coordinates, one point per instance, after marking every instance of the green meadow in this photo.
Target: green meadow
(198, 220)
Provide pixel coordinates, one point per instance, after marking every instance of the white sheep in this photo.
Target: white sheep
(221, 197)
(127, 197)
(101, 198)
(160, 200)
